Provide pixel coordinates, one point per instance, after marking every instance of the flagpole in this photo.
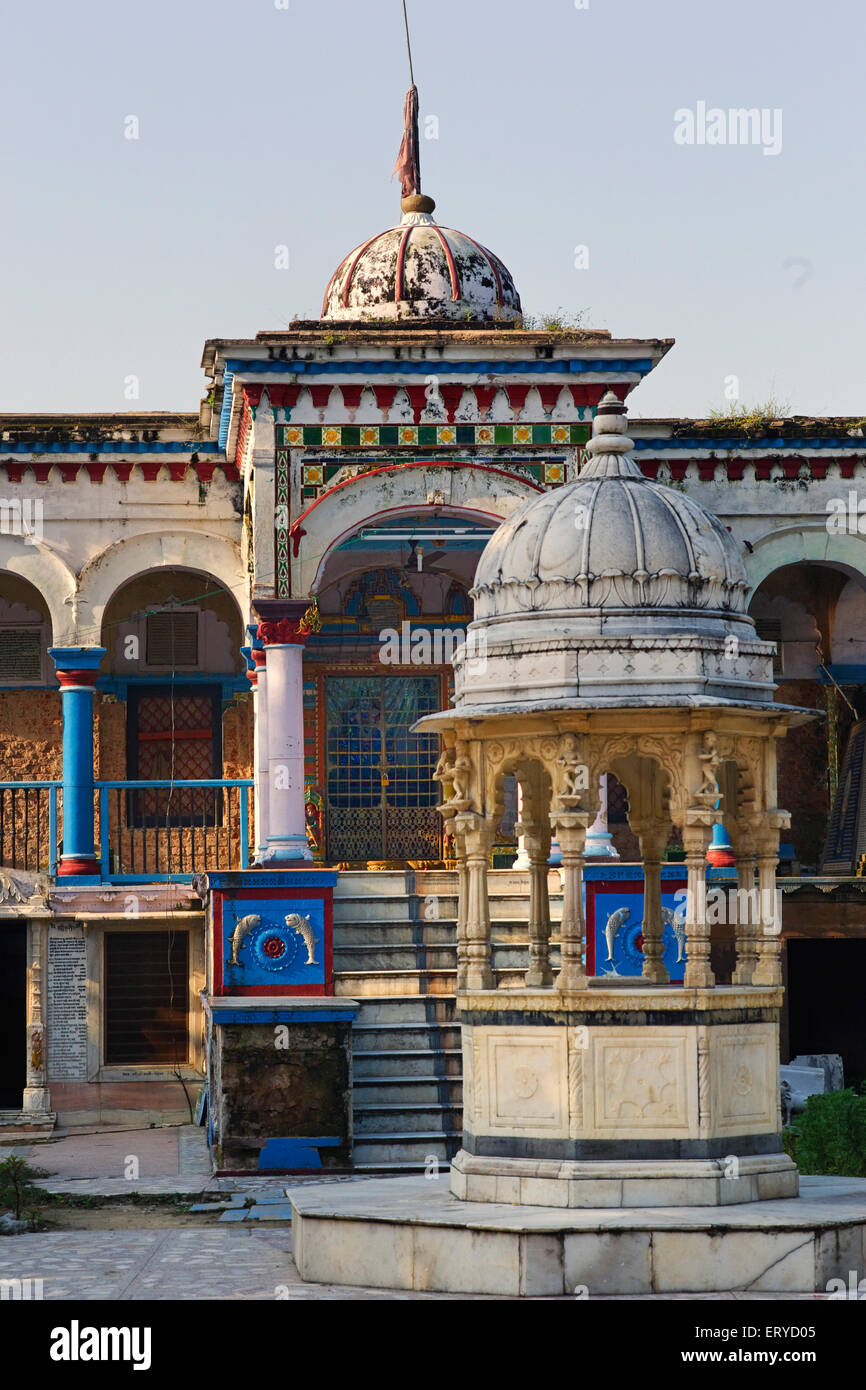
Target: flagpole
(408, 44)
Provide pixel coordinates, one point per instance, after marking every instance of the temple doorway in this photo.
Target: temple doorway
(381, 797)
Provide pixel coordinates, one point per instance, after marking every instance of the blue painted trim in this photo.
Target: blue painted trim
(228, 399)
(77, 658)
(52, 828)
(544, 367)
(224, 879)
(842, 674)
(178, 784)
(244, 827)
(229, 685)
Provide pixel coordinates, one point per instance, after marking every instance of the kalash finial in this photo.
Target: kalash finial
(408, 164)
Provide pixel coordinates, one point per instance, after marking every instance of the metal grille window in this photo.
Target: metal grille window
(381, 796)
(20, 654)
(172, 639)
(146, 998)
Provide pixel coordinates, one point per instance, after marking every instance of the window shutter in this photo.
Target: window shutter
(146, 998)
(172, 639)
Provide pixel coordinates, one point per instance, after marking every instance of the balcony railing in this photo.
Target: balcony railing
(144, 831)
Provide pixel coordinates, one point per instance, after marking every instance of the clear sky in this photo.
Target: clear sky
(261, 127)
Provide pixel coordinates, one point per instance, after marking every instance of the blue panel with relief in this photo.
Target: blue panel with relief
(273, 941)
(614, 911)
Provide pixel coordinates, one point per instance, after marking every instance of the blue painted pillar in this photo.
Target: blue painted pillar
(77, 669)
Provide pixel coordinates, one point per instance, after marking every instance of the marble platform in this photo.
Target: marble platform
(412, 1233)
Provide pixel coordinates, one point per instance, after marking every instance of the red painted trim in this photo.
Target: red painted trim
(329, 288)
(351, 396)
(549, 397)
(649, 468)
(96, 470)
(401, 259)
(72, 677)
(484, 396)
(385, 397)
(204, 469)
(452, 268)
(401, 468)
(517, 398)
(452, 396)
(122, 470)
(418, 400)
(253, 393)
(321, 395)
(285, 396)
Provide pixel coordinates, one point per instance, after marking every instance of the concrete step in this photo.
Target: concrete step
(504, 931)
(406, 1150)
(394, 1092)
(406, 1037)
(358, 983)
(385, 1063)
(406, 1117)
(406, 1010)
(399, 957)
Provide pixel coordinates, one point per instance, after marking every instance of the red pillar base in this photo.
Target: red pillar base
(71, 865)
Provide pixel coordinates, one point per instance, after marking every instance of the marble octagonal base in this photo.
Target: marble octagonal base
(412, 1233)
(631, 1183)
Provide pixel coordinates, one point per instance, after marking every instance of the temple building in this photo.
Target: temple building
(196, 606)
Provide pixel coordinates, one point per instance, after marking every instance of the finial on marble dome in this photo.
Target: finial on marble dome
(610, 447)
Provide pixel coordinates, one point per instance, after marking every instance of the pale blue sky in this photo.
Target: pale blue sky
(262, 126)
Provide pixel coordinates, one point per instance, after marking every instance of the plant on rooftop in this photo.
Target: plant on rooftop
(560, 321)
(751, 416)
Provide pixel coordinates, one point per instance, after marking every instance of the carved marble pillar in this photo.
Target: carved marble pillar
(653, 839)
(698, 972)
(37, 1097)
(474, 969)
(539, 974)
(747, 923)
(570, 829)
(768, 940)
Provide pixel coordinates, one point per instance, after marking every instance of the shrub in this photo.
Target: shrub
(17, 1191)
(829, 1137)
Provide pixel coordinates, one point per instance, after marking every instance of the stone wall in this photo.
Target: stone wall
(262, 1092)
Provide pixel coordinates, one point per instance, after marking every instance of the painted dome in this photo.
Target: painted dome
(611, 541)
(419, 270)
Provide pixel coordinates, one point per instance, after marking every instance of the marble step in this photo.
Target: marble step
(408, 1151)
(405, 1037)
(405, 1011)
(384, 1063)
(392, 1092)
(406, 1117)
(441, 956)
(357, 983)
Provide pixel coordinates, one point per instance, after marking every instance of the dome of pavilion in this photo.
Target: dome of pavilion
(419, 270)
(611, 542)
(612, 590)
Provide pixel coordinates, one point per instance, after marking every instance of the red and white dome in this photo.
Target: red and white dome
(419, 270)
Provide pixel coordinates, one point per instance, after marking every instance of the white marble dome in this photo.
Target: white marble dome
(611, 541)
(419, 270)
(611, 591)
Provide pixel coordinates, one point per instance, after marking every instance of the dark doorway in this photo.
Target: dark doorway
(13, 1014)
(826, 981)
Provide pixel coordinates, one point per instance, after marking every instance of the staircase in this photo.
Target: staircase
(395, 951)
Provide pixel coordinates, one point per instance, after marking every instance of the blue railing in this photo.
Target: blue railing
(144, 831)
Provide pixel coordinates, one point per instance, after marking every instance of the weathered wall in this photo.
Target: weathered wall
(261, 1092)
